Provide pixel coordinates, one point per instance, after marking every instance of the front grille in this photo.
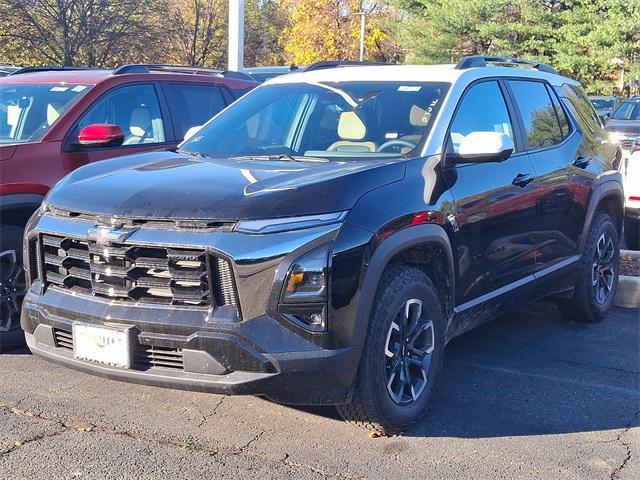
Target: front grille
(148, 356)
(139, 274)
(145, 356)
(63, 339)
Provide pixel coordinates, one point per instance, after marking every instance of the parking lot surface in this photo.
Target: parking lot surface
(526, 396)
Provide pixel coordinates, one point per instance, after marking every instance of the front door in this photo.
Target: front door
(495, 204)
(136, 110)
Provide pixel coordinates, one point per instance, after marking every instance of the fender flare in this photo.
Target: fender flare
(611, 188)
(402, 240)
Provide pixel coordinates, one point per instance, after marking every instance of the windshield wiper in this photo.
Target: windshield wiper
(281, 157)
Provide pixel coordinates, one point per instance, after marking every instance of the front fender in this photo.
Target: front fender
(379, 257)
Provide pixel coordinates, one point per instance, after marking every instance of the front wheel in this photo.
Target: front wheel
(597, 276)
(402, 356)
(12, 285)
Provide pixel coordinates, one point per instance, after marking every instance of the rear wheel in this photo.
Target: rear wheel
(597, 277)
(12, 284)
(402, 357)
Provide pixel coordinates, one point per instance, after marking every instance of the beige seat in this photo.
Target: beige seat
(351, 130)
(139, 125)
(53, 112)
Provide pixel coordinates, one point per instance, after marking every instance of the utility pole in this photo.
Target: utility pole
(236, 35)
(363, 24)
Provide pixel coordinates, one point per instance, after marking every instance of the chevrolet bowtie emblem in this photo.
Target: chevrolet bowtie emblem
(106, 235)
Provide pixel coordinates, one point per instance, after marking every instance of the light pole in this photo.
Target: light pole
(363, 24)
(236, 35)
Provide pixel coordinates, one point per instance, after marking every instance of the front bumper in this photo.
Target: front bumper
(199, 348)
(258, 357)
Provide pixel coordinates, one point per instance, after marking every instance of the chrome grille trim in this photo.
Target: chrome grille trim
(134, 273)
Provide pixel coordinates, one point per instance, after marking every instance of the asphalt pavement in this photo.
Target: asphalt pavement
(527, 396)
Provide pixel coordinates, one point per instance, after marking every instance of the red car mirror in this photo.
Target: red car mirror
(101, 135)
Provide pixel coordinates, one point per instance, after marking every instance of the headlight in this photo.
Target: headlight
(304, 293)
(307, 277)
(274, 225)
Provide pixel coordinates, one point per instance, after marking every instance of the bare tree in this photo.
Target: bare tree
(197, 31)
(70, 32)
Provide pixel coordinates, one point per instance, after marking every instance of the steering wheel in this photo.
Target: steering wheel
(396, 143)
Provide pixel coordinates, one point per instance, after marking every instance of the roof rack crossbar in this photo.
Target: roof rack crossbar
(340, 63)
(50, 68)
(482, 61)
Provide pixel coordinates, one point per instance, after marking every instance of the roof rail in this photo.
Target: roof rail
(7, 69)
(147, 68)
(51, 68)
(482, 61)
(340, 63)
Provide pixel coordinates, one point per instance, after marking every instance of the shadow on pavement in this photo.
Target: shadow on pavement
(533, 373)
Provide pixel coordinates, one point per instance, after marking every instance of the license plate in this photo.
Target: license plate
(108, 345)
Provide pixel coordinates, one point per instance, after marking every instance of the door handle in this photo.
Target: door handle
(523, 179)
(582, 162)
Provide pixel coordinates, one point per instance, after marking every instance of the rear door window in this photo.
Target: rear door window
(192, 105)
(541, 123)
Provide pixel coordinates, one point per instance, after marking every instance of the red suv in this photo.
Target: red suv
(56, 119)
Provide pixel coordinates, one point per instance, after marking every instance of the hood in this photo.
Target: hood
(170, 185)
(622, 126)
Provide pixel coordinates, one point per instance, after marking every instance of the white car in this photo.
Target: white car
(632, 201)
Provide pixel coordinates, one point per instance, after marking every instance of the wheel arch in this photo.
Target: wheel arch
(608, 198)
(16, 209)
(424, 246)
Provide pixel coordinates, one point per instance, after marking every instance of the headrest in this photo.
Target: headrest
(53, 112)
(350, 127)
(418, 116)
(140, 122)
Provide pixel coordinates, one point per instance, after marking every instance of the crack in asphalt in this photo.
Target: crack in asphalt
(206, 417)
(618, 470)
(83, 427)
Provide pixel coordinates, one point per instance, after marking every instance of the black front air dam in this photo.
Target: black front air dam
(284, 368)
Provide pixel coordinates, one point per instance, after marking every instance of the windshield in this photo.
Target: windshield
(328, 120)
(627, 111)
(603, 104)
(27, 111)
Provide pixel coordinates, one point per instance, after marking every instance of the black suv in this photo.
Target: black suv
(321, 240)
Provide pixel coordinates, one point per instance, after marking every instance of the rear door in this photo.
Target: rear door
(192, 105)
(495, 203)
(563, 179)
(138, 110)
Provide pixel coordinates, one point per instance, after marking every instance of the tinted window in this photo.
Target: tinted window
(324, 119)
(27, 111)
(482, 109)
(192, 105)
(586, 115)
(562, 115)
(538, 114)
(134, 109)
(629, 110)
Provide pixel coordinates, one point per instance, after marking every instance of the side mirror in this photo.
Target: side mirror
(480, 147)
(101, 135)
(191, 132)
